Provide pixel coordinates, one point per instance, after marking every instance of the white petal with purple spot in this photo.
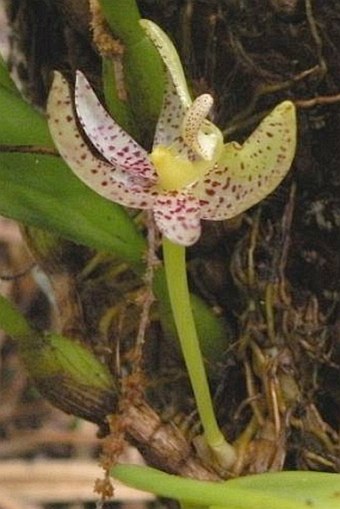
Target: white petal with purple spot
(177, 215)
(107, 136)
(110, 182)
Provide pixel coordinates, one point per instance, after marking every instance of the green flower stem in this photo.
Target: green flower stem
(213, 331)
(175, 270)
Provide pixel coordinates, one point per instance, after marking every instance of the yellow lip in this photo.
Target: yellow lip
(175, 172)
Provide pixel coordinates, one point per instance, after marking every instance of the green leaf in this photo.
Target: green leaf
(5, 79)
(123, 17)
(144, 75)
(41, 190)
(143, 68)
(12, 322)
(279, 490)
(20, 123)
(119, 109)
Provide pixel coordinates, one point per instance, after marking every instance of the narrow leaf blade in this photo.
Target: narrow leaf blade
(42, 191)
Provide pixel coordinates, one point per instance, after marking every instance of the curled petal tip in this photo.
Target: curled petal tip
(200, 135)
(193, 120)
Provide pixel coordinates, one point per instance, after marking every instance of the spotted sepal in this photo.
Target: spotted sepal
(107, 136)
(245, 175)
(111, 182)
(177, 215)
(169, 125)
(170, 58)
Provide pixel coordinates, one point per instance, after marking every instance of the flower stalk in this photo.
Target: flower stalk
(175, 269)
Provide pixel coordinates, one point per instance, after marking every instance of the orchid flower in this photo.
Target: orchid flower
(188, 176)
